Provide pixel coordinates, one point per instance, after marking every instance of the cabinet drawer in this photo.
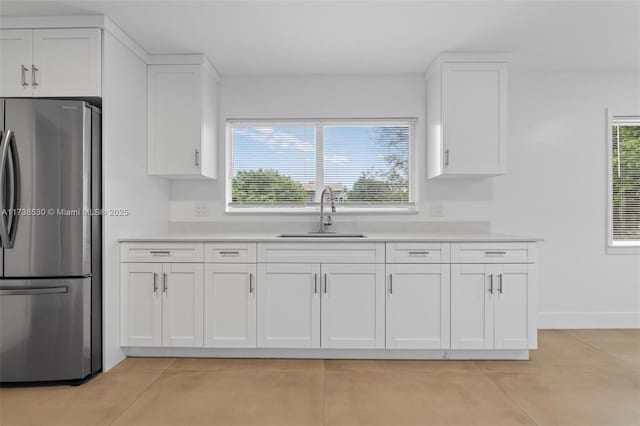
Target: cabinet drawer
(321, 252)
(418, 252)
(491, 253)
(161, 252)
(230, 252)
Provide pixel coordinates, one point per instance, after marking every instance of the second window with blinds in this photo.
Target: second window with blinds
(285, 165)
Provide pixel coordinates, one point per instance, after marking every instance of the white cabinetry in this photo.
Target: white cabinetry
(230, 305)
(491, 306)
(466, 115)
(181, 120)
(417, 306)
(161, 304)
(51, 62)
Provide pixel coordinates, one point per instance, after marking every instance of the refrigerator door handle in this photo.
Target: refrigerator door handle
(9, 219)
(15, 190)
(4, 210)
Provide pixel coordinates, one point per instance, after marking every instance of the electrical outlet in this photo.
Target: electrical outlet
(436, 210)
(201, 210)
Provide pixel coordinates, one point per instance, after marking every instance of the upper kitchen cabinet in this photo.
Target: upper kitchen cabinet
(182, 116)
(467, 116)
(50, 62)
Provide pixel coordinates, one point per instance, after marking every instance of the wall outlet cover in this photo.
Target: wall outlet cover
(436, 210)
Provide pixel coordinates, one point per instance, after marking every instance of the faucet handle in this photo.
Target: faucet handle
(329, 222)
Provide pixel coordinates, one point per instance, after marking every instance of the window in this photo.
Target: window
(624, 199)
(286, 165)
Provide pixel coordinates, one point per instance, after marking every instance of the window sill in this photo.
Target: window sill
(630, 248)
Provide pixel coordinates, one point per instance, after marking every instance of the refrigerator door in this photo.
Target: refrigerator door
(53, 140)
(2, 192)
(45, 329)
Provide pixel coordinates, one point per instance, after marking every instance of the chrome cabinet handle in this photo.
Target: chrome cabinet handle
(418, 253)
(390, 283)
(325, 283)
(500, 282)
(446, 157)
(491, 283)
(162, 252)
(23, 75)
(197, 157)
(315, 283)
(229, 253)
(495, 253)
(155, 282)
(34, 82)
(250, 283)
(165, 285)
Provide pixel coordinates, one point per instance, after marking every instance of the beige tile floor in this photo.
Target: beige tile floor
(577, 377)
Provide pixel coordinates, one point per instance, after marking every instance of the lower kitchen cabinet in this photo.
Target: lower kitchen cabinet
(162, 304)
(417, 306)
(490, 306)
(297, 301)
(289, 305)
(230, 305)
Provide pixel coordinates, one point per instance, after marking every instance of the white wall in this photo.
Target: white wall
(555, 188)
(125, 183)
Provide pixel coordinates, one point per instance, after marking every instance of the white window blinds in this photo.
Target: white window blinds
(286, 165)
(625, 191)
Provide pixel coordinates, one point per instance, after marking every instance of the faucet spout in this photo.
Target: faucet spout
(328, 222)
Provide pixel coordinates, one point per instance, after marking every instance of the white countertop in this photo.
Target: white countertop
(370, 237)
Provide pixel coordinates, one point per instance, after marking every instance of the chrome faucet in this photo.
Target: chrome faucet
(324, 224)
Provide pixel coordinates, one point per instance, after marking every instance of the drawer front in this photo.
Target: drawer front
(490, 253)
(161, 252)
(312, 252)
(230, 252)
(418, 252)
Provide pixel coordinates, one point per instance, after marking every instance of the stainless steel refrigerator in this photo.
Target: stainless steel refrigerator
(50, 235)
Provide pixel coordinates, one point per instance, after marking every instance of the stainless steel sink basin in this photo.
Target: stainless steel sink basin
(322, 235)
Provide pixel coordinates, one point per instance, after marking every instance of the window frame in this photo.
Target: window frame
(612, 247)
(318, 123)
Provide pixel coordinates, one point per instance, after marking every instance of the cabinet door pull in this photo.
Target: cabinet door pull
(165, 285)
(250, 283)
(23, 75)
(34, 82)
(390, 283)
(325, 283)
(418, 253)
(315, 283)
(155, 282)
(446, 157)
(197, 157)
(500, 282)
(160, 252)
(229, 253)
(495, 253)
(491, 283)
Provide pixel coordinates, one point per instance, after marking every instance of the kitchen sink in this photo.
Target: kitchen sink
(322, 235)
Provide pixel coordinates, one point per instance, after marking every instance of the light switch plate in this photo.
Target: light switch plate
(201, 210)
(436, 210)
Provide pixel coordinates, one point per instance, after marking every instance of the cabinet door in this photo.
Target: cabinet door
(67, 62)
(141, 304)
(16, 52)
(511, 304)
(174, 119)
(418, 306)
(182, 305)
(472, 306)
(474, 117)
(230, 305)
(352, 306)
(289, 305)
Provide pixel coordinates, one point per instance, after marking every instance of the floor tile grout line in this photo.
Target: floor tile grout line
(525, 412)
(575, 337)
(138, 397)
(324, 388)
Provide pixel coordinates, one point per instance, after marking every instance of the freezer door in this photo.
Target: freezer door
(45, 329)
(53, 140)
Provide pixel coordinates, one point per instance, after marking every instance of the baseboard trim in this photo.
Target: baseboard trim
(559, 320)
(511, 354)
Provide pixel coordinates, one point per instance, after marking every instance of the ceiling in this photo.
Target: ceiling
(370, 37)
